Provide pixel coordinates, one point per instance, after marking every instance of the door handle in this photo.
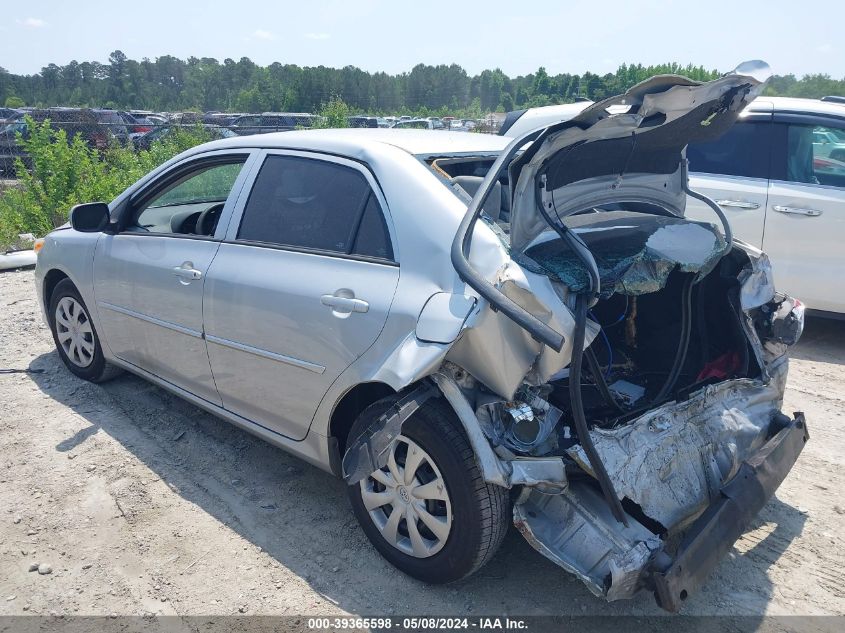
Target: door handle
(345, 304)
(187, 272)
(737, 204)
(813, 213)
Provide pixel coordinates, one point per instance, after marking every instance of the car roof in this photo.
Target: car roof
(348, 140)
(794, 104)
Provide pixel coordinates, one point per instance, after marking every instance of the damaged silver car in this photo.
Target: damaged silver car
(470, 331)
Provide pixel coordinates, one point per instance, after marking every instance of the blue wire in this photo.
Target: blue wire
(624, 314)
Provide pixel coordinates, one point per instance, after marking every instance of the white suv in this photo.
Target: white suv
(779, 175)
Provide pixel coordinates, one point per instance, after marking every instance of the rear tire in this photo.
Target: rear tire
(76, 337)
(473, 515)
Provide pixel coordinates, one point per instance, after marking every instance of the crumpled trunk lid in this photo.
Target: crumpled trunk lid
(626, 148)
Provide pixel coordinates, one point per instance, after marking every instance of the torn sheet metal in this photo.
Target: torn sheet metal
(576, 530)
(546, 473)
(635, 252)
(757, 282)
(673, 460)
(490, 337)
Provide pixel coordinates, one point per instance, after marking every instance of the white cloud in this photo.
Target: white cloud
(824, 48)
(261, 34)
(32, 23)
(317, 36)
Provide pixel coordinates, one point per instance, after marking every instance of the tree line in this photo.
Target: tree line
(171, 84)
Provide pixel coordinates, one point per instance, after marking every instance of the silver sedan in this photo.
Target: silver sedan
(470, 331)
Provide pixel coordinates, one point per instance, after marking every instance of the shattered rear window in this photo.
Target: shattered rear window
(635, 252)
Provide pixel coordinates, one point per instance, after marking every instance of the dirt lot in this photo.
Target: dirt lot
(141, 503)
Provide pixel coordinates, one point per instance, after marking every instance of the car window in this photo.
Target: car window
(372, 238)
(815, 154)
(314, 204)
(741, 151)
(178, 208)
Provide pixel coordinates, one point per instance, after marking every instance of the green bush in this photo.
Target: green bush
(333, 114)
(66, 172)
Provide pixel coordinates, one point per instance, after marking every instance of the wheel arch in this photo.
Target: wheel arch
(350, 405)
(51, 280)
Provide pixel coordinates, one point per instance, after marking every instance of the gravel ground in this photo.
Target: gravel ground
(140, 503)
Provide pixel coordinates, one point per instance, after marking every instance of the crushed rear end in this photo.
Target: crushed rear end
(626, 365)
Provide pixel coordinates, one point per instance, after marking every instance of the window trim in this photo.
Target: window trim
(313, 251)
(361, 167)
(144, 193)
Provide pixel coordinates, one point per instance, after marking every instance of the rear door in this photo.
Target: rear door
(300, 288)
(805, 221)
(733, 170)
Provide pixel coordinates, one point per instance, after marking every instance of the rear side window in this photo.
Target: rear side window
(741, 151)
(315, 205)
(811, 154)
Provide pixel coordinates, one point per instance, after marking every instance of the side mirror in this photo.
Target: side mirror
(91, 217)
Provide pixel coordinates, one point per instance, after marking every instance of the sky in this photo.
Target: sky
(394, 36)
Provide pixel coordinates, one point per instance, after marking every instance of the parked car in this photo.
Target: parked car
(363, 121)
(161, 132)
(272, 122)
(779, 176)
(607, 380)
(420, 124)
(185, 118)
(98, 128)
(221, 118)
(118, 124)
(6, 114)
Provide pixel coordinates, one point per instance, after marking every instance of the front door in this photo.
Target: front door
(148, 278)
(300, 289)
(733, 171)
(805, 221)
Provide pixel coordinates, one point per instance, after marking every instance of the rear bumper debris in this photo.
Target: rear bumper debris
(576, 530)
(714, 532)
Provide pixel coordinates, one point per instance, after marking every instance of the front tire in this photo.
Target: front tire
(429, 512)
(75, 336)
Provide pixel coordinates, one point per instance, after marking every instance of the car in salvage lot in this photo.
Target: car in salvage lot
(471, 330)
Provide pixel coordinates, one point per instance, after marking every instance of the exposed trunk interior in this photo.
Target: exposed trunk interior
(669, 315)
(640, 338)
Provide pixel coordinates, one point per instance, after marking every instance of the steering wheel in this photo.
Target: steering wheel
(208, 217)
